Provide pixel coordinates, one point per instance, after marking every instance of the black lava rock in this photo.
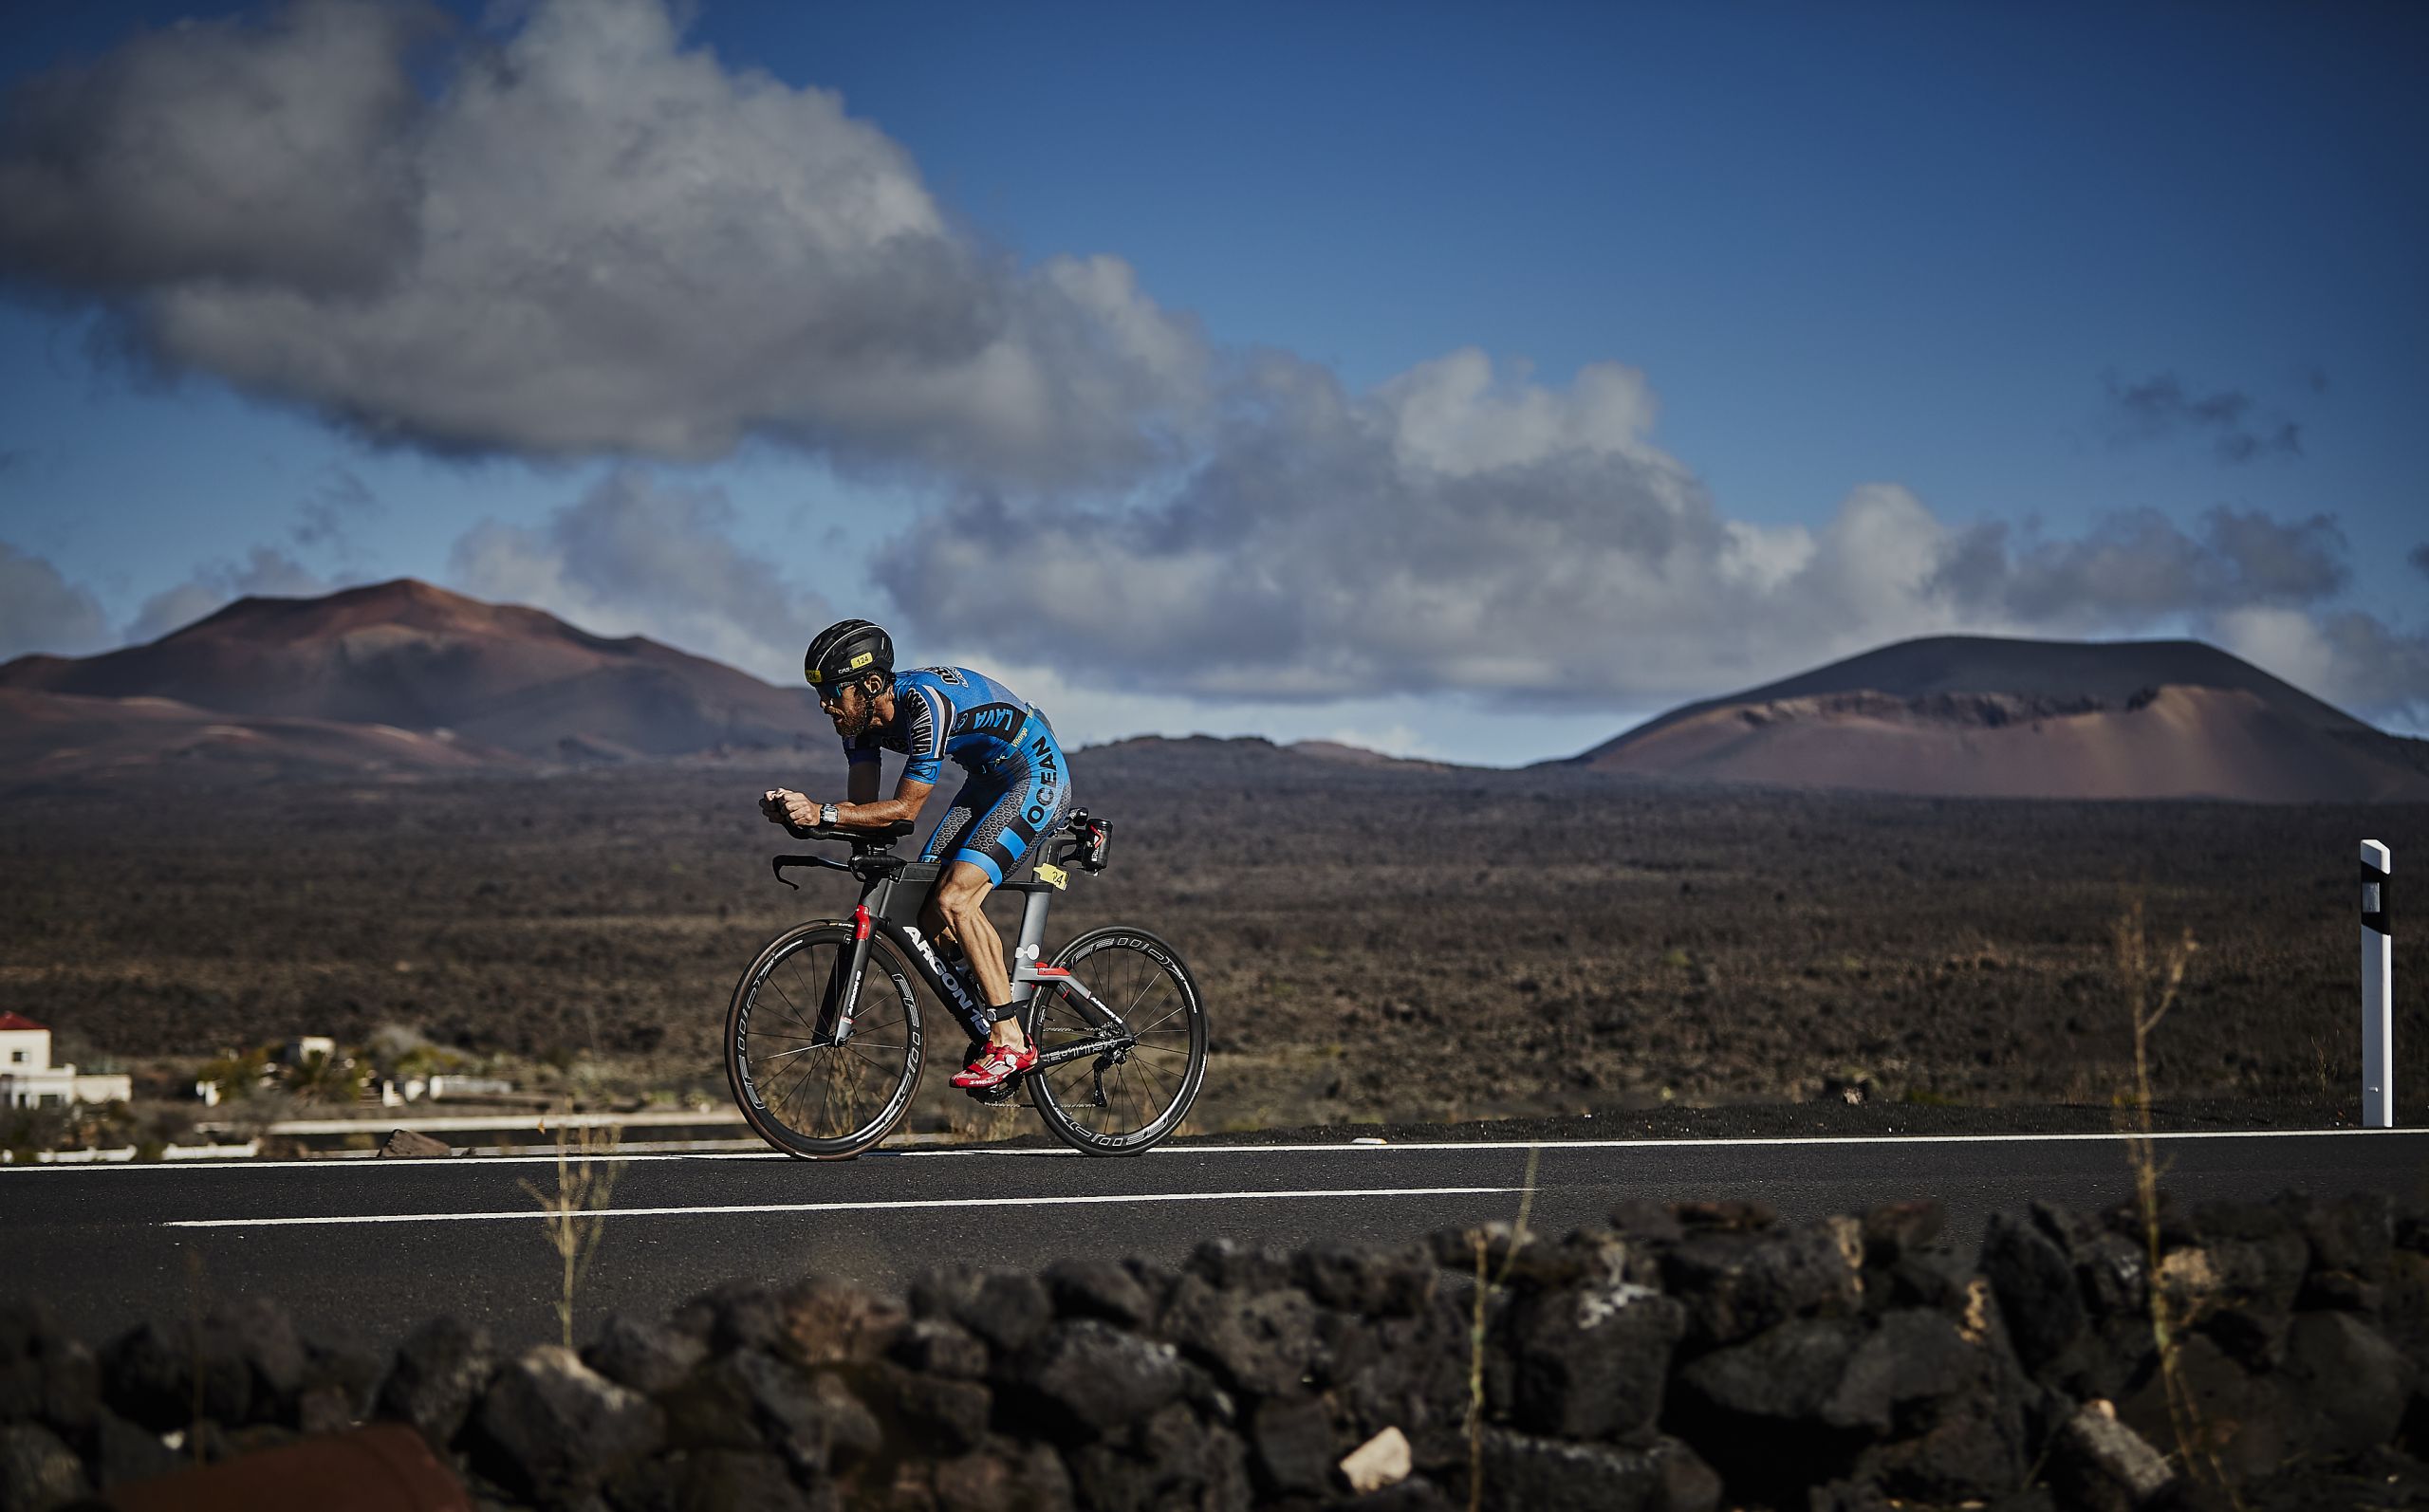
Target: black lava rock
(649, 1357)
(1735, 1285)
(1004, 1308)
(1084, 1377)
(1230, 1266)
(1099, 1289)
(551, 1428)
(1291, 1447)
(1548, 1475)
(1262, 1343)
(440, 1370)
(120, 1451)
(1590, 1362)
(937, 1347)
(36, 1469)
(2035, 1284)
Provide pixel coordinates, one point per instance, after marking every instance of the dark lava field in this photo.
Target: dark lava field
(1374, 942)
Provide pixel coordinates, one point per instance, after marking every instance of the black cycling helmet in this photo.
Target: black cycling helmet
(843, 650)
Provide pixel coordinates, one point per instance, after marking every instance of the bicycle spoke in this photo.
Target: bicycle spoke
(865, 1058)
(1151, 1074)
(1177, 1008)
(791, 1010)
(1134, 1002)
(785, 1055)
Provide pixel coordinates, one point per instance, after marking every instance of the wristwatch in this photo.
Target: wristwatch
(827, 815)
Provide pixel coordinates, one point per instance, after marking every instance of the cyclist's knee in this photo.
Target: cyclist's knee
(952, 904)
(935, 920)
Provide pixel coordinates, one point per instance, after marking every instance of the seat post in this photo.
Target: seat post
(1035, 902)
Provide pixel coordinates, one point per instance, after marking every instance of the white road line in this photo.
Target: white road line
(1728, 1141)
(836, 1207)
(967, 1152)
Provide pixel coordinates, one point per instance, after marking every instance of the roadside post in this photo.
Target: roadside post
(2378, 990)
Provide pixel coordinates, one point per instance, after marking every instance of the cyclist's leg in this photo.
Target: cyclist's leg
(1030, 804)
(976, 801)
(959, 906)
(976, 797)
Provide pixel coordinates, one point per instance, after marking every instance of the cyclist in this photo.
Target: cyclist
(1018, 789)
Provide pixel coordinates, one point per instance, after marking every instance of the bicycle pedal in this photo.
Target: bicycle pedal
(1000, 1092)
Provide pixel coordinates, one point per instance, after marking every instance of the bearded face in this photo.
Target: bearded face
(851, 708)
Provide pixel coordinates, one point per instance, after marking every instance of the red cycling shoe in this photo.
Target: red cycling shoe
(997, 1066)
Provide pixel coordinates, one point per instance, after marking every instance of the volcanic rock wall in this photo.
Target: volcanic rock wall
(1684, 1358)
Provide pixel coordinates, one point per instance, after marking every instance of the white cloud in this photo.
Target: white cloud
(266, 572)
(41, 611)
(637, 556)
(1460, 530)
(1449, 529)
(2353, 661)
(585, 239)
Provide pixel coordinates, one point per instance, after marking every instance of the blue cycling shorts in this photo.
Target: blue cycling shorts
(1001, 811)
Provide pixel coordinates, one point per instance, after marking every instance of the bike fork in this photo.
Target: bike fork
(844, 983)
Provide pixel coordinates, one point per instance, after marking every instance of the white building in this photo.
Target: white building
(27, 1080)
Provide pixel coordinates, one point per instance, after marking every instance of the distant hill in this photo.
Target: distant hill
(1333, 751)
(1196, 758)
(49, 740)
(415, 658)
(1978, 717)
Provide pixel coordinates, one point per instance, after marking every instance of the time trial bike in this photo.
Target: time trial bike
(824, 1037)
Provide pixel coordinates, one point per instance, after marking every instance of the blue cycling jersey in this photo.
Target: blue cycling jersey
(946, 713)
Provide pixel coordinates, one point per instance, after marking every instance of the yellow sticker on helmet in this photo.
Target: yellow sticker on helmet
(813, 673)
(862, 660)
(1048, 872)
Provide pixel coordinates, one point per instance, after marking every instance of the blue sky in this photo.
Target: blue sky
(1463, 381)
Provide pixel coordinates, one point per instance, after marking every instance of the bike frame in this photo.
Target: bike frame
(892, 892)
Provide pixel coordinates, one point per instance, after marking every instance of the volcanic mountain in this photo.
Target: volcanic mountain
(49, 740)
(417, 659)
(1979, 717)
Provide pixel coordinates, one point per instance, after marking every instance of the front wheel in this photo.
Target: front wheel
(805, 1091)
(1124, 1099)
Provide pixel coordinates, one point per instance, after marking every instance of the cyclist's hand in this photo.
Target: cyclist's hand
(800, 811)
(776, 803)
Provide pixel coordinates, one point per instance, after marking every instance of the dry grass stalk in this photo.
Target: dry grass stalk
(586, 1180)
(2150, 988)
(1486, 1288)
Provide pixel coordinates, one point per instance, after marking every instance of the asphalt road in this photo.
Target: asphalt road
(360, 1250)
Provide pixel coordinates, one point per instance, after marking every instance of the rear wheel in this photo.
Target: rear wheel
(799, 1089)
(1121, 1102)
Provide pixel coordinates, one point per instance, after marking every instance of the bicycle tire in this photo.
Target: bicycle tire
(1070, 1117)
(772, 1062)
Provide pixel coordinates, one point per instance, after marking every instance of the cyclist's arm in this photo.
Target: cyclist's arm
(905, 803)
(783, 806)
